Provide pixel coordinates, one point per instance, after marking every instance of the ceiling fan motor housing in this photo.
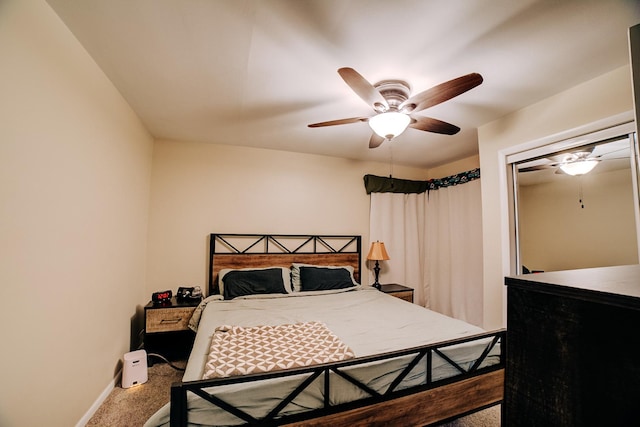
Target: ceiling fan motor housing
(394, 91)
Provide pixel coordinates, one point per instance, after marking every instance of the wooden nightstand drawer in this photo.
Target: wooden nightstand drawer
(398, 291)
(168, 319)
(166, 328)
(405, 295)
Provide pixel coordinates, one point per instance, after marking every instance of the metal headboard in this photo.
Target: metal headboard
(267, 250)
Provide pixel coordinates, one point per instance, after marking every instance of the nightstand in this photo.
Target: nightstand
(166, 329)
(398, 291)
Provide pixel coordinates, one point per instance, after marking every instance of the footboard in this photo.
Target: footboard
(476, 387)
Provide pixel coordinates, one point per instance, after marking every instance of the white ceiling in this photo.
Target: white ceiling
(256, 72)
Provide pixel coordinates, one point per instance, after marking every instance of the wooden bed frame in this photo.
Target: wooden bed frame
(260, 250)
(432, 402)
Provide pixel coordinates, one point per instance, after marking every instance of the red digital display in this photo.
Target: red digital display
(161, 296)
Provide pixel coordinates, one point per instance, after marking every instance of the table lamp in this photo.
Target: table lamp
(377, 253)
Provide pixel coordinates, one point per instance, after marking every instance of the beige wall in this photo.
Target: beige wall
(454, 168)
(75, 167)
(600, 98)
(198, 189)
(557, 232)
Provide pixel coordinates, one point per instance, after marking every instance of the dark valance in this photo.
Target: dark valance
(382, 184)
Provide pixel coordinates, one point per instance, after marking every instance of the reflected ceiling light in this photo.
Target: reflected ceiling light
(390, 124)
(579, 167)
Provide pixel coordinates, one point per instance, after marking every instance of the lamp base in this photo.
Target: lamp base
(376, 270)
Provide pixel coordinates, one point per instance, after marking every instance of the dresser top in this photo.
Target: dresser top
(618, 285)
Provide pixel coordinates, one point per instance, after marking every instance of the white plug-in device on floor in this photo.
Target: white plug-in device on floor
(134, 371)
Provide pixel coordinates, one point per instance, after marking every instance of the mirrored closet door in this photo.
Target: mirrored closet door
(576, 202)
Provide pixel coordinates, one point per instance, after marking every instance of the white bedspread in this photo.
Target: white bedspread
(368, 321)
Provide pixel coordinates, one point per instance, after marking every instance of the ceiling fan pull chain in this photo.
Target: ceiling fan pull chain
(580, 194)
(390, 160)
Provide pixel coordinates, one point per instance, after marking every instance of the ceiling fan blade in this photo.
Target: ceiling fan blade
(429, 124)
(442, 92)
(364, 89)
(375, 140)
(339, 122)
(536, 168)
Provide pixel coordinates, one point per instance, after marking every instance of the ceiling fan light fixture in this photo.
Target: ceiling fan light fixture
(579, 167)
(390, 124)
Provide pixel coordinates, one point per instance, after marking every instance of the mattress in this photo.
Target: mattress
(368, 321)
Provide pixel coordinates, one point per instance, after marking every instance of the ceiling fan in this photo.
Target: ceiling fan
(394, 106)
(576, 162)
(582, 160)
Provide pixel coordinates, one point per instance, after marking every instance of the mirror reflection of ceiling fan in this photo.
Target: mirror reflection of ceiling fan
(394, 107)
(581, 160)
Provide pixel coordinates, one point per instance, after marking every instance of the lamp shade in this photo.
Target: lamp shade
(579, 167)
(377, 252)
(389, 125)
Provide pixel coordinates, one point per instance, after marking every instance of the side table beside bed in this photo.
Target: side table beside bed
(398, 291)
(166, 331)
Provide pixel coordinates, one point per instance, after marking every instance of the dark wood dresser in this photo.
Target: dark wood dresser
(573, 348)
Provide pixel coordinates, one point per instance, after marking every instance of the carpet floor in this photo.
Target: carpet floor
(132, 407)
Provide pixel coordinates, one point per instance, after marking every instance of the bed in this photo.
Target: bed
(373, 359)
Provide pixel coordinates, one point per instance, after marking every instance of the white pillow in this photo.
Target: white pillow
(286, 276)
(295, 273)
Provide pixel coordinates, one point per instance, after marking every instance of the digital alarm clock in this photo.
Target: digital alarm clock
(160, 297)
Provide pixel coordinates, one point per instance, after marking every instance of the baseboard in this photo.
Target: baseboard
(99, 401)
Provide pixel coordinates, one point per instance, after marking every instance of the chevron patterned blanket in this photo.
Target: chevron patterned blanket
(237, 350)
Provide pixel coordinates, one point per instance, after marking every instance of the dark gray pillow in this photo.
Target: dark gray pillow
(322, 279)
(239, 283)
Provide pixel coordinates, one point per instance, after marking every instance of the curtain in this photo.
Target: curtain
(398, 220)
(454, 252)
(434, 241)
